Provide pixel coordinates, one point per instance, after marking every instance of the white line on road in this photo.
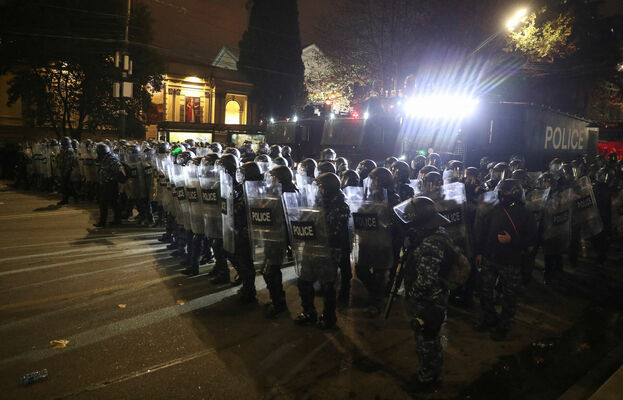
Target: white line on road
(90, 239)
(111, 330)
(79, 250)
(122, 254)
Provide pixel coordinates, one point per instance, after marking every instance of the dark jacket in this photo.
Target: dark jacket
(523, 234)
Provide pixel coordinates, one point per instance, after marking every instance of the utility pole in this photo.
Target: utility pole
(123, 88)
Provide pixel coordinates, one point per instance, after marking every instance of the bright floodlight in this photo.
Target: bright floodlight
(517, 19)
(272, 120)
(441, 106)
(366, 115)
(332, 116)
(295, 118)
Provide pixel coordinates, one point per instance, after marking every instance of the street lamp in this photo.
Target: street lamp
(517, 19)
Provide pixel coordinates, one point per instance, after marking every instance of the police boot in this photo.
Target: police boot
(274, 284)
(328, 319)
(344, 296)
(309, 315)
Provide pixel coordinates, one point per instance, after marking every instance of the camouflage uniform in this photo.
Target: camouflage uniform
(427, 299)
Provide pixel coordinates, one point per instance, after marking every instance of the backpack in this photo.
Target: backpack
(455, 268)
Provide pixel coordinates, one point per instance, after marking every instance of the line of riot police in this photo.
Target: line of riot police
(258, 211)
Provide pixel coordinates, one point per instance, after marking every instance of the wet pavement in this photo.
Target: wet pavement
(137, 328)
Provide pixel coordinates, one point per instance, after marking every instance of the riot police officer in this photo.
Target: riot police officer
(65, 164)
(109, 174)
(507, 231)
(402, 172)
(427, 246)
(364, 168)
(336, 215)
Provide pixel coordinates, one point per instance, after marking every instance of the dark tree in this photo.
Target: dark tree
(270, 55)
(60, 55)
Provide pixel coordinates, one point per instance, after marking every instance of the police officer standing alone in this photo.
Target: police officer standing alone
(506, 232)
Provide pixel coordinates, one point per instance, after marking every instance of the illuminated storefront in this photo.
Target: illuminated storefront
(206, 103)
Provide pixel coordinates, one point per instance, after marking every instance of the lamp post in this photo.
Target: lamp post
(512, 23)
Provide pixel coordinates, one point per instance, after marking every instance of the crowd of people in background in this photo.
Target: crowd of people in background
(256, 209)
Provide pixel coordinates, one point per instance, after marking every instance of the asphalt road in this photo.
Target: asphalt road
(136, 328)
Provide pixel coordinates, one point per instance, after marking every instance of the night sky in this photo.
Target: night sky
(197, 29)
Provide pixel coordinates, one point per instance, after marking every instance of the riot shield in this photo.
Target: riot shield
(193, 196)
(265, 215)
(227, 211)
(535, 202)
(132, 162)
(452, 206)
(309, 237)
(210, 182)
(585, 215)
(147, 181)
(372, 228)
(179, 180)
(416, 184)
(556, 233)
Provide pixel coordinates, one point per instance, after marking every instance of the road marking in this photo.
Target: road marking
(146, 371)
(42, 214)
(80, 250)
(91, 239)
(122, 254)
(68, 296)
(128, 266)
(113, 329)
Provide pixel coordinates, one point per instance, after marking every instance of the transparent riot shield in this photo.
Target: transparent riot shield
(147, 174)
(209, 179)
(132, 185)
(227, 211)
(372, 227)
(452, 206)
(171, 193)
(264, 166)
(585, 215)
(535, 202)
(556, 235)
(265, 216)
(193, 196)
(179, 179)
(309, 237)
(416, 184)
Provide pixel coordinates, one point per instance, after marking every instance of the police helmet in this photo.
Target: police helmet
(282, 174)
(216, 148)
(350, 178)
(101, 150)
(229, 162)
(472, 172)
(263, 149)
(421, 212)
(613, 157)
(234, 151)
(163, 148)
(184, 157)
(426, 169)
(326, 166)
(434, 159)
(210, 159)
(251, 171)
(401, 172)
(484, 162)
(389, 161)
(382, 178)
(432, 181)
(65, 142)
(364, 168)
(275, 151)
(263, 158)
(327, 154)
(280, 161)
(418, 162)
(328, 183)
(307, 167)
(286, 151)
(545, 180)
(511, 188)
(341, 164)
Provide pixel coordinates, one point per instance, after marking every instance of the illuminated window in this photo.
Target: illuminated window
(232, 113)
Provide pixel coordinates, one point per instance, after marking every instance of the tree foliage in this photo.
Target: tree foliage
(60, 55)
(546, 40)
(270, 55)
